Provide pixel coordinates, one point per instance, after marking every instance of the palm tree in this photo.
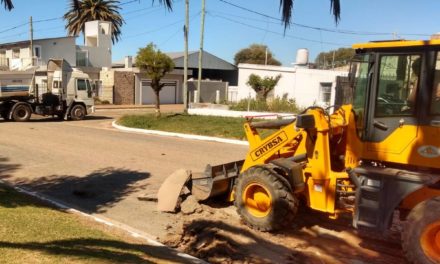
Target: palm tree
(82, 11)
(286, 7)
(8, 4)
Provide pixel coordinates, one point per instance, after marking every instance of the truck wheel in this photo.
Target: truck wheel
(78, 112)
(21, 113)
(421, 233)
(264, 200)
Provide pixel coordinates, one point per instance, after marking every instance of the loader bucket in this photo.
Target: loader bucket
(216, 180)
(169, 191)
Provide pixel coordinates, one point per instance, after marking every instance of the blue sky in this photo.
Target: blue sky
(229, 29)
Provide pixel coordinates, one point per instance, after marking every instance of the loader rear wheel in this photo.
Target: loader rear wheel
(421, 233)
(264, 200)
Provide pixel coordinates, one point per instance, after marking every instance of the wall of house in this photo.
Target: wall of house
(208, 91)
(62, 48)
(108, 81)
(302, 84)
(124, 87)
(97, 57)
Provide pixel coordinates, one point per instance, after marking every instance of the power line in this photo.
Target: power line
(14, 27)
(157, 29)
(129, 2)
(277, 33)
(179, 30)
(341, 31)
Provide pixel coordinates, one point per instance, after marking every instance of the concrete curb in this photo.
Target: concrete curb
(186, 136)
(111, 223)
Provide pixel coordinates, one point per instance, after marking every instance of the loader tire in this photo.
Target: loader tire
(421, 233)
(264, 199)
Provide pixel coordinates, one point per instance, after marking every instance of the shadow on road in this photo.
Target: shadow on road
(93, 192)
(6, 168)
(110, 251)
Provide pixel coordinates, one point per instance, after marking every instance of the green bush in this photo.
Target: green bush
(277, 104)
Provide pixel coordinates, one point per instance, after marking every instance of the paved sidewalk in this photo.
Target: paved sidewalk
(163, 108)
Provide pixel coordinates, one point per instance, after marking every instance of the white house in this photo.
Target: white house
(307, 86)
(96, 52)
(90, 58)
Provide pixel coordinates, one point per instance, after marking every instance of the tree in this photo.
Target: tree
(286, 7)
(156, 64)
(263, 86)
(82, 11)
(342, 57)
(255, 54)
(8, 4)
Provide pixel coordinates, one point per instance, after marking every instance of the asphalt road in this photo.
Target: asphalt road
(100, 170)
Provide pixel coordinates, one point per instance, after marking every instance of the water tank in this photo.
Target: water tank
(302, 57)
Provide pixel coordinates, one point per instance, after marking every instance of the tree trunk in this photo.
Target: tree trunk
(261, 96)
(157, 108)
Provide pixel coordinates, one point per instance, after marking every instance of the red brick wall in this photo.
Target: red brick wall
(124, 88)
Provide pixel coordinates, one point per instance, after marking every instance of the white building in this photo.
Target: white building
(96, 52)
(307, 86)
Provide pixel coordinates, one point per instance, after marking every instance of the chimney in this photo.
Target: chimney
(128, 62)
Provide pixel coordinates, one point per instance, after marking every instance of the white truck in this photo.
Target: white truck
(67, 95)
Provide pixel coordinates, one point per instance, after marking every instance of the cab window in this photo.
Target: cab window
(359, 72)
(435, 99)
(81, 85)
(397, 85)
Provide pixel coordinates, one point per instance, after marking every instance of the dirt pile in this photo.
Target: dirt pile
(215, 233)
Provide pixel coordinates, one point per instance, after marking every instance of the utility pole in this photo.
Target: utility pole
(185, 57)
(333, 60)
(202, 30)
(31, 36)
(265, 58)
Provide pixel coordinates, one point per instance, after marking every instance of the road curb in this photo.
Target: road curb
(111, 223)
(180, 135)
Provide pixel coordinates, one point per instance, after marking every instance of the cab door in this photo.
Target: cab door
(84, 90)
(392, 122)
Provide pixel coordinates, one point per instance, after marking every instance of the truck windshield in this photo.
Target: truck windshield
(359, 79)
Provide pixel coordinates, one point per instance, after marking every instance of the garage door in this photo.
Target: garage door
(168, 94)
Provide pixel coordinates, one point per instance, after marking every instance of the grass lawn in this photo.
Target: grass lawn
(31, 232)
(225, 127)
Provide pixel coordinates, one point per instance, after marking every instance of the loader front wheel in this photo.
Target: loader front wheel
(264, 200)
(421, 233)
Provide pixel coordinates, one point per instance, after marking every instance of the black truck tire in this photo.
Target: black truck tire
(78, 112)
(21, 112)
(421, 233)
(264, 200)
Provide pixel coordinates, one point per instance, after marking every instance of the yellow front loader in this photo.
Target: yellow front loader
(374, 157)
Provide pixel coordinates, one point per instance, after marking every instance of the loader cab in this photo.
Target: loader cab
(396, 98)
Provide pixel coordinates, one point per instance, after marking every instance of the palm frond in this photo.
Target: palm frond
(286, 7)
(168, 4)
(82, 11)
(8, 4)
(335, 7)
